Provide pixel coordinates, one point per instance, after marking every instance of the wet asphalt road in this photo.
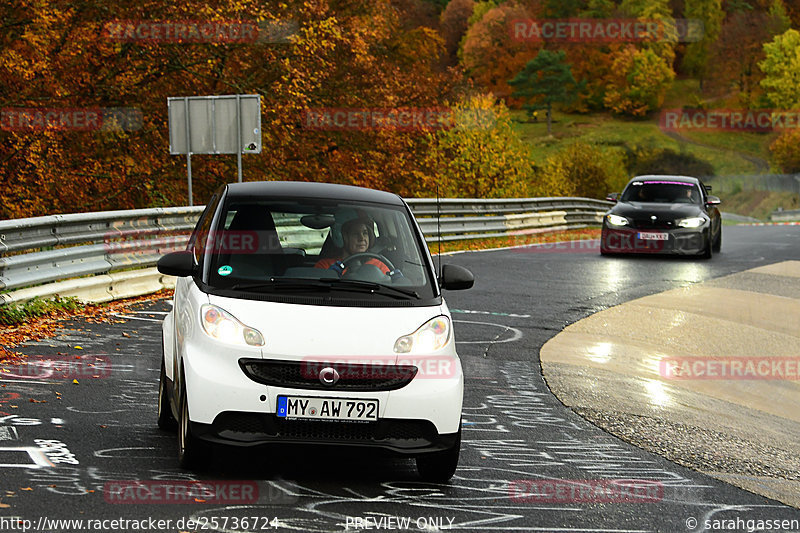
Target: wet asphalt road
(101, 430)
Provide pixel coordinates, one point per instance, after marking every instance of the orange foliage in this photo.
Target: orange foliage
(355, 53)
(490, 56)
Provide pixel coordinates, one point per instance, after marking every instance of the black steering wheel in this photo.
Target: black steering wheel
(379, 257)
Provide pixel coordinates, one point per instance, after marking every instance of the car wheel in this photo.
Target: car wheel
(165, 418)
(191, 450)
(440, 466)
(717, 246)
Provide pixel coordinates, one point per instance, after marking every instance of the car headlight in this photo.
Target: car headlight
(431, 336)
(616, 220)
(222, 326)
(691, 222)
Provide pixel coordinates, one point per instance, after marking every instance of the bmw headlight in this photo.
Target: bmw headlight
(691, 222)
(616, 220)
(431, 336)
(222, 326)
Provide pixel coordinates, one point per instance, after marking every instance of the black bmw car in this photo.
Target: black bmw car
(663, 214)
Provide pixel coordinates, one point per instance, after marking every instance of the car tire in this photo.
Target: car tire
(191, 451)
(165, 418)
(706, 254)
(717, 246)
(439, 467)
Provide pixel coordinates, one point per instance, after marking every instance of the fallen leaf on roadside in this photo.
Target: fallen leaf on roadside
(75, 381)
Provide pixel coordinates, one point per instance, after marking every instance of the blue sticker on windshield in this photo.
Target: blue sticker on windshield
(225, 270)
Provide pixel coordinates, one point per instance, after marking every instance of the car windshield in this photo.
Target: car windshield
(662, 191)
(302, 245)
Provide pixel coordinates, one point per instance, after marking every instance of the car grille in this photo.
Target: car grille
(305, 375)
(647, 223)
(316, 430)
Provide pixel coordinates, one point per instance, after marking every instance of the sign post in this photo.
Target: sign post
(228, 124)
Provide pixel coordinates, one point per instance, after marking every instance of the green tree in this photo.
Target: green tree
(480, 157)
(638, 81)
(545, 80)
(779, 13)
(584, 170)
(697, 53)
(781, 67)
(562, 8)
(599, 9)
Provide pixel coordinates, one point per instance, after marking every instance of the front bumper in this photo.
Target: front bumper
(225, 405)
(680, 241)
(405, 436)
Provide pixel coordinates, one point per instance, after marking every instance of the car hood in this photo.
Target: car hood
(298, 332)
(662, 211)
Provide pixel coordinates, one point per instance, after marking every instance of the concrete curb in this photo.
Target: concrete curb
(742, 429)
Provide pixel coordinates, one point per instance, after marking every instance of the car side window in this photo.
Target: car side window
(197, 243)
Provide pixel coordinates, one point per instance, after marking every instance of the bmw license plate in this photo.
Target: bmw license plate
(653, 236)
(327, 408)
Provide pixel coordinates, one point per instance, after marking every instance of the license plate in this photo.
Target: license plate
(327, 408)
(653, 236)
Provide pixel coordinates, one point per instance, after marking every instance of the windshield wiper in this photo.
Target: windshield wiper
(282, 284)
(369, 286)
(326, 284)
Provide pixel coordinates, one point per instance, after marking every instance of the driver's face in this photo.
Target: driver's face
(356, 240)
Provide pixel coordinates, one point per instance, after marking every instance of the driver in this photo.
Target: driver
(358, 237)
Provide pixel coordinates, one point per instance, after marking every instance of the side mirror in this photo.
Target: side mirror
(713, 200)
(456, 278)
(612, 196)
(177, 264)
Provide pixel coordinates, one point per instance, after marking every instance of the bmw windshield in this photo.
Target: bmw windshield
(335, 249)
(662, 191)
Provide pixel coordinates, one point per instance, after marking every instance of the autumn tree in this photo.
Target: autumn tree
(545, 80)
(697, 53)
(785, 153)
(781, 67)
(638, 82)
(584, 170)
(736, 53)
(481, 157)
(454, 25)
(490, 56)
(355, 53)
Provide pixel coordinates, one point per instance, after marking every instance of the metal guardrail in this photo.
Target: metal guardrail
(109, 246)
(785, 216)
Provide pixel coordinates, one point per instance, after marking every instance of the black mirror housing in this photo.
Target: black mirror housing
(455, 278)
(612, 196)
(178, 264)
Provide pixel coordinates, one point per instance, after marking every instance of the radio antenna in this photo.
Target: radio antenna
(439, 231)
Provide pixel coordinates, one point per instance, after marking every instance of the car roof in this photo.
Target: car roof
(661, 177)
(306, 189)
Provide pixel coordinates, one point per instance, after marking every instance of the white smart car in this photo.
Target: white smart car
(311, 312)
